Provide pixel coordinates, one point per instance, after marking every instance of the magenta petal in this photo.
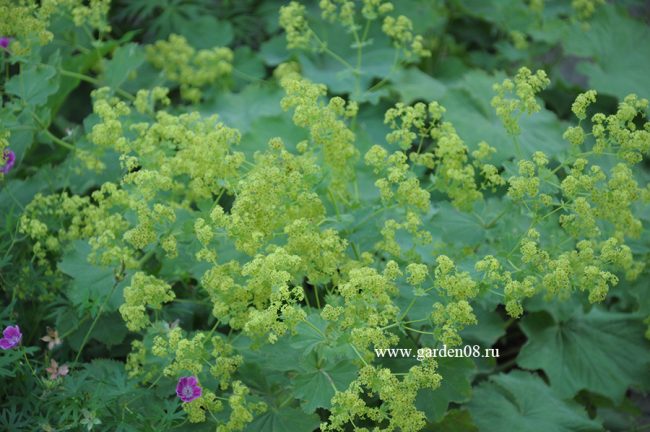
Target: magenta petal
(12, 332)
(12, 337)
(188, 389)
(7, 161)
(7, 332)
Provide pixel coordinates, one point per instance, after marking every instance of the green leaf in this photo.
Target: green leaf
(509, 14)
(337, 71)
(456, 421)
(126, 59)
(91, 284)
(265, 128)
(110, 329)
(413, 84)
(21, 131)
(274, 51)
(456, 386)
(279, 356)
(80, 63)
(521, 401)
(314, 384)
(488, 330)
(241, 109)
(8, 361)
(286, 419)
(248, 66)
(616, 62)
(311, 334)
(603, 352)
(468, 108)
(454, 226)
(207, 32)
(109, 378)
(34, 84)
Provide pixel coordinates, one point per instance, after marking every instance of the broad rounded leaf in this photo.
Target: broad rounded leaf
(602, 352)
(521, 401)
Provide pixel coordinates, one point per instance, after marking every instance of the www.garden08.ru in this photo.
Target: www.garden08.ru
(422, 353)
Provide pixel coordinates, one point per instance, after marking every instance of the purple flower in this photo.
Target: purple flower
(188, 389)
(4, 42)
(12, 337)
(9, 158)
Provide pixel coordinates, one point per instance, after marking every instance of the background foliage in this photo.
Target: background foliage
(260, 193)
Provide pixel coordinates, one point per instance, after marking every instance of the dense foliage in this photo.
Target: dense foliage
(216, 215)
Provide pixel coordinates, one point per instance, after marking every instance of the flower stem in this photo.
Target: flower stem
(95, 82)
(99, 314)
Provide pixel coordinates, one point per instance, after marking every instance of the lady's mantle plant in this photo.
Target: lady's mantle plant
(250, 224)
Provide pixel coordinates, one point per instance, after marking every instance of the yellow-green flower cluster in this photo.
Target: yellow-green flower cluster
(344, 11)
(192, 69)
(197, 408)
(584, 268)
(582, 102)
(399, 184)
(226, 362)
(456, 284)
(265, 303)
(326, 125)
(275, 192)
(409, 123)
(368, 305)
(515, 291)
(400, 30)
(294, 21)
(95, 14)
(451, 319)
(30, 20)
(453, 174)
(272, 294)
(186, 156)
(25, 19)
(321, 253)
(519, 39)
(594, 199)
(135, 361)
(295, 24)
(184, 355)
(526, 184)
(188, 355)
(619, 131)
(109, 132)
(516, 97)
(490, 173)
(587, 267)
(584, 9)
(373, 9)
(397, 410)
(144, 291)
(417, 273)
(146, 99)
(54, 220)
(242, 411)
